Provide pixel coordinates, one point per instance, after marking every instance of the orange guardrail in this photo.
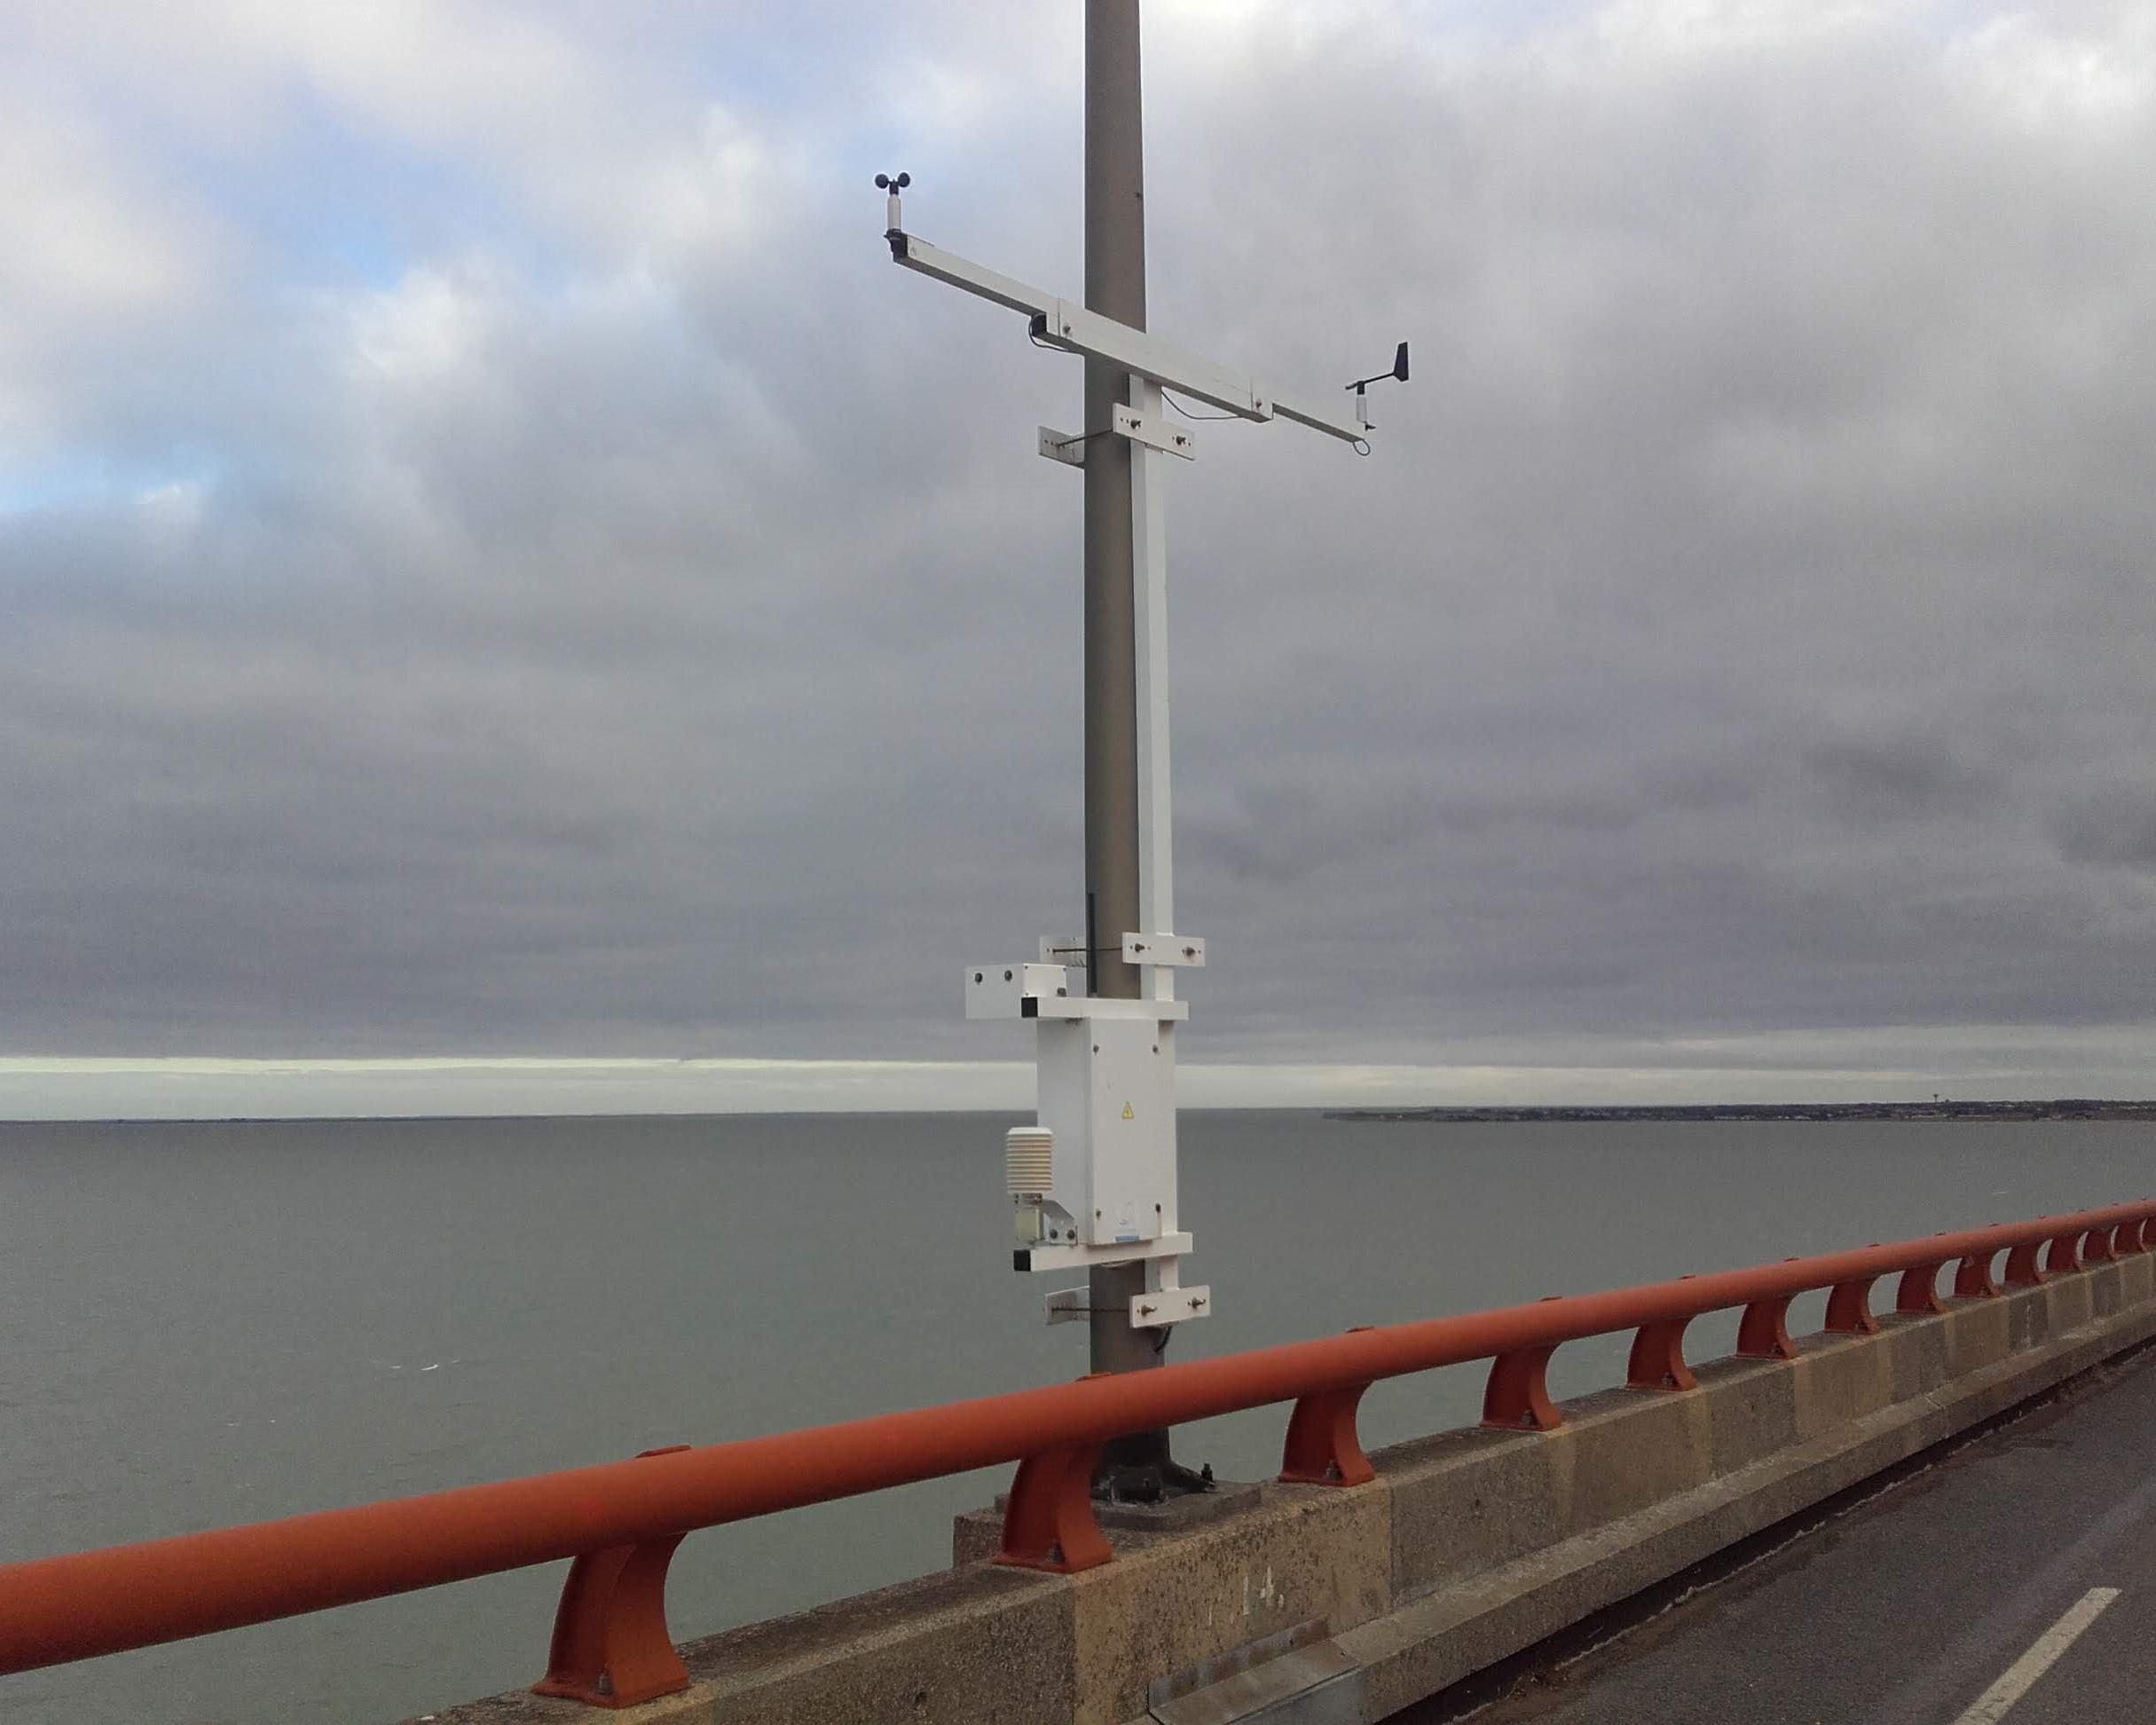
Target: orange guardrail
(621, 1521)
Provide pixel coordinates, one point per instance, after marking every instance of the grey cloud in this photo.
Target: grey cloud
(2115, 830)
(1742, 624)
(1894, 778)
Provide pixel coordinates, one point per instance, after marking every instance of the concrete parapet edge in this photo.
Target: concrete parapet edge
(1468, 1547)
(1426, 1644)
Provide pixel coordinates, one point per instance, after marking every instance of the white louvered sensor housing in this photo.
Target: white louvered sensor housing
(1029, 1159)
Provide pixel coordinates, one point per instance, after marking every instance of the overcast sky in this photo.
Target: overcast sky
(496, 563)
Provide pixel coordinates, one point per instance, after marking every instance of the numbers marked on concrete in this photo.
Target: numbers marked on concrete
(2019, 1677)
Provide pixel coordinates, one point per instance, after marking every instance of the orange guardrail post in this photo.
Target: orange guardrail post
(1849, 1307)
(1322, 1447)
(1517, 1396)
(1048, 1522)
(1972, 1279)
(1763, 1333)
(610, 1643)
(1657, 1357)
(1919, 1289)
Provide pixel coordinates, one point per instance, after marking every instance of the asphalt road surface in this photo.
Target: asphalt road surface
(2014, 1579)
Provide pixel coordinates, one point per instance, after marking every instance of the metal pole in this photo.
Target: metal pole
(1114, 287)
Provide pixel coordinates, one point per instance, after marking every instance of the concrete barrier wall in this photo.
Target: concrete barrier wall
(1333, 1605)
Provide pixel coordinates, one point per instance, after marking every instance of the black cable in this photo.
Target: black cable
(1085, 437)
(1186, 412)
(1033, 336)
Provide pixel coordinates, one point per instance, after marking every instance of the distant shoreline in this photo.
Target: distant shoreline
(2064, 1109)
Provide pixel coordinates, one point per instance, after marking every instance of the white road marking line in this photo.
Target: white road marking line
(2021, 1676)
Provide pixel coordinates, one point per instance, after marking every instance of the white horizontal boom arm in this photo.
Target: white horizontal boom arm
(1069, 325)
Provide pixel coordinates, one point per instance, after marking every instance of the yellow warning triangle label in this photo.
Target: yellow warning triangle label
(1127, 1114)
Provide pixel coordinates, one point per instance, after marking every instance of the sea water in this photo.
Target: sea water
(214, 1323)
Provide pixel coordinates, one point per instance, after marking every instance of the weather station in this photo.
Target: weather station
(1093, 1182)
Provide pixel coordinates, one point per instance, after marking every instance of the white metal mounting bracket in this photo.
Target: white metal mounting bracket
(1185, 950)
(1067, 447)
(1154, 434)
(1067, 1305)
(1100, 1006)
(1043, 991)
(1179, 1306)
(1155, 1309)
(1166, 1301)
(1037, 1259)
